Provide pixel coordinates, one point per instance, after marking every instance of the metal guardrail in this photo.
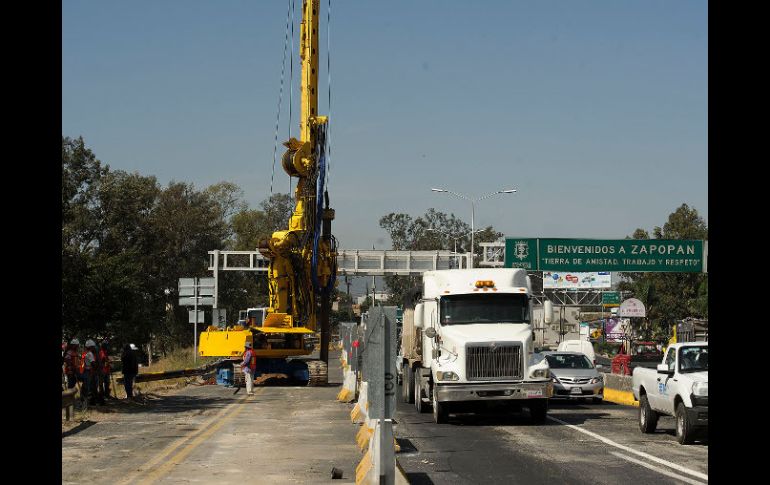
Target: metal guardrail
(173, 374)
(68, 402)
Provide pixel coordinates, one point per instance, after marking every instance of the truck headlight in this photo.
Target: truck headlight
(447, 376)
(700, 389)
(596, 380)
(539, 373)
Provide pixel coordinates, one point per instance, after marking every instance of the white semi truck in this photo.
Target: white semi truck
(468, 341)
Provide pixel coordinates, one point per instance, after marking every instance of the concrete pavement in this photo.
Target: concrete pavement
(208, 434)
(580, 443)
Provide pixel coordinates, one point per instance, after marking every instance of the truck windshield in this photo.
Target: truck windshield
(693, 359)
(257, 314)
(486, 308)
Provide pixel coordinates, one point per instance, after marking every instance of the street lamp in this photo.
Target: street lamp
(473, 209)
(455, 238)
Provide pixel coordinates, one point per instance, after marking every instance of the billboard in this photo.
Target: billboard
(616, 329)
(576, 280)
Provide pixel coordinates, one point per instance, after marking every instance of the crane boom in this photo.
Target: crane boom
(302, 262)
(303, 257)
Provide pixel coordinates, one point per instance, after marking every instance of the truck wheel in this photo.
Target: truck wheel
(538, 409)
(418, 404)
(439, 410)
(684, 430)
(648, 419)
(407, 386)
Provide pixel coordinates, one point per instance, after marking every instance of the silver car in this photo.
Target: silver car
(574, 376)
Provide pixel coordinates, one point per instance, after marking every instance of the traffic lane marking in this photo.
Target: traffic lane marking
(170, 449)
(621, 424)
(608, 441)
(657, 469)
(194, 442)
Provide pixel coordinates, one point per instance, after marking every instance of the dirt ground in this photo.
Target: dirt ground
(145, 393)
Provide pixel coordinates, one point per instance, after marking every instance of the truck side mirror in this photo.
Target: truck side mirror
(430, 332)
(663, 369)
(547, 311)
(418, 313)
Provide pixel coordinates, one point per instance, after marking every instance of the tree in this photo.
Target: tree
(125, 240)
(432, 231)
(669, 297)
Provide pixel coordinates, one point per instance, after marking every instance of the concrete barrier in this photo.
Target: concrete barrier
(68, 402)
(617, 389)
(368, 352)
(350, 379)
(368, 439)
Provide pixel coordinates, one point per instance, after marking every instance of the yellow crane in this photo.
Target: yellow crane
(302, 258)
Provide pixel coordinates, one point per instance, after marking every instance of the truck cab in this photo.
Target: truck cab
(469, 340)
(677, 387)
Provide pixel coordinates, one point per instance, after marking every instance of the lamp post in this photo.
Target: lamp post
(473, 209)
(455, 238)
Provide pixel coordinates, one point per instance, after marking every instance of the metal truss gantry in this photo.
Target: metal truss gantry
(352, 262)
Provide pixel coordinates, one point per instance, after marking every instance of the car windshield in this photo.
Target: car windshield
(693, 359)
(568, 361)
(485, 308)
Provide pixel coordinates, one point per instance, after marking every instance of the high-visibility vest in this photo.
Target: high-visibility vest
(252, 361)
(105, 360)
(83, 361)
(72, 362)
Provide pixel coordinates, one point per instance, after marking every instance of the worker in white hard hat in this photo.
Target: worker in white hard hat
(249, 366)
(91, 374)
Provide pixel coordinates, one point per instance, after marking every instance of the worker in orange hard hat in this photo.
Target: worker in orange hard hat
(105, 369)
(72, 363)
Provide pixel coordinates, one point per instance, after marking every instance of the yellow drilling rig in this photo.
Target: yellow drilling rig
(303, 258)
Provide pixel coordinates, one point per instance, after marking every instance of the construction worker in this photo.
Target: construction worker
(249, 366)
(130, 366)
(90, 366)
(87, 360)
(72, 363)
(104, 360)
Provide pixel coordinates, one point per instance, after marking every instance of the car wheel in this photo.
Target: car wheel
(684, 431)
(538, 410)
(439, 410)
(648, 419)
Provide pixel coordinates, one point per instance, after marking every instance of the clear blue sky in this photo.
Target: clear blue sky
(596, 112)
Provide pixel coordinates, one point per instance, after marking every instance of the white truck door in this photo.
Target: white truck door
(662, 401)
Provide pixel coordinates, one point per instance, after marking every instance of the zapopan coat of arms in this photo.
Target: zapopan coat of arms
(521, 250)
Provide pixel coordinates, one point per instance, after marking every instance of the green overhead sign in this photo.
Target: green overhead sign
(611, 298)
(645, 255)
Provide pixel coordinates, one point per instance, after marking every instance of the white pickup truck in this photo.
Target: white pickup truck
(678, 387)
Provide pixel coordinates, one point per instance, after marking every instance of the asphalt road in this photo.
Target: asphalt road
(208, 434)
(579, 444)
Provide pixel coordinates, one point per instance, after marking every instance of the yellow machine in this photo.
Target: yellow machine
(303, 258)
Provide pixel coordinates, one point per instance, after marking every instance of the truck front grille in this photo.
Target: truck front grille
(487, 362)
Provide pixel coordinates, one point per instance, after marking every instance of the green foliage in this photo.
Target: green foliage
(669, 297)
(250, 226)
(433, 230)
(126, 239)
